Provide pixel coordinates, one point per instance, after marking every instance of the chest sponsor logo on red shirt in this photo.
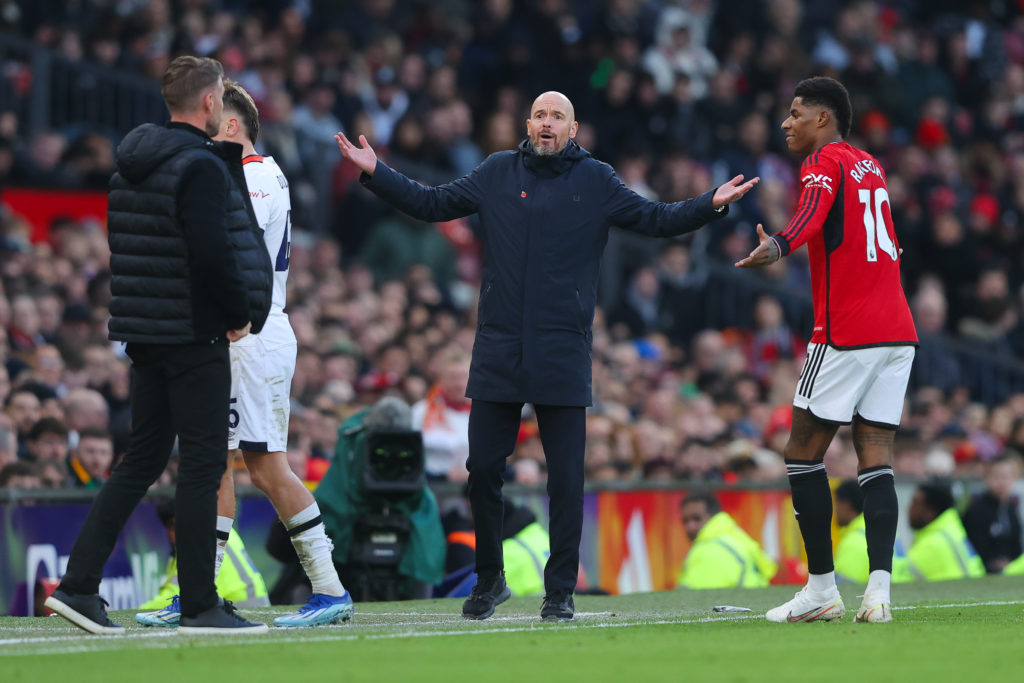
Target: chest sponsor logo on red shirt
(817, 180)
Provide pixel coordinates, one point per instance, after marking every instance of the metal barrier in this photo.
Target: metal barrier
(48, 91)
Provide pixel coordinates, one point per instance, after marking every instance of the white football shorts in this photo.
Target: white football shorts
(835, 384)
(262, 367)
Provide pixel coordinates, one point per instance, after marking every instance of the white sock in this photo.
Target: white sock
(819, 583)
(878, 586)
(223, 530)
(314, 550)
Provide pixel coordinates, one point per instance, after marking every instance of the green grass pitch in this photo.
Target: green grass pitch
(957, 631)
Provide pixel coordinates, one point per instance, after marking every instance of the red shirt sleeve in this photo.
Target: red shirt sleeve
(819, 182)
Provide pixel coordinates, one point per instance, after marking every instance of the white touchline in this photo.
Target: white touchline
(153, 639)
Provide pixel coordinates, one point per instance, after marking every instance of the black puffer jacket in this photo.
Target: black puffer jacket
(180, 278)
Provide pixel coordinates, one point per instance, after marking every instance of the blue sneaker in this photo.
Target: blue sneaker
(168, 617)
(319, 610)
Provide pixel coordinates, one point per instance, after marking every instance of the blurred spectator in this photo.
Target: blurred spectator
(23, 333)
(772, 339)
(313, 118)
(680, 291)
(443, 418)
(385, 103)
(934, 365)
(20, 475)
(992, 519)
(991, 314)
(84, 408)
(941, 550)
(677, 53)
(53, 474)
(722, 555)
(92, 458)
(639, 311)
(48, 441)
(22, 407)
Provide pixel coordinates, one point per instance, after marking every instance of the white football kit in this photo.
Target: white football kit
(262, 365)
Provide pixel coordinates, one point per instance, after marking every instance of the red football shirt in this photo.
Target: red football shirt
(845, 218)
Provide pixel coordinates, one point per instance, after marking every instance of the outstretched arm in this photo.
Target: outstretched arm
(456, 199)
(630, 211)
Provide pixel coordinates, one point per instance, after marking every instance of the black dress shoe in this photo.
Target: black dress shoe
(558, 606)
(488, 593)
(87, 612)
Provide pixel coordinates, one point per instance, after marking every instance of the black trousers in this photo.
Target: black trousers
(177, 390)
(493, 428)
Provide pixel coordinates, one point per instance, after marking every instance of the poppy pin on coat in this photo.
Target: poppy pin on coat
(523, 193)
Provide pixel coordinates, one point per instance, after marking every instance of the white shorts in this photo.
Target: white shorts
(262, 367)
(834, 384)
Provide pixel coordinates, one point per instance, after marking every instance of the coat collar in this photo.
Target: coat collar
(551, 166)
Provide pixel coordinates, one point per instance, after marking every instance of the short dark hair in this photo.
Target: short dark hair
(18, 390)
(709, 499)
(41, 391)
(14, 469)
(850, 491)
(47, 425)
(186, 78)
(95, 433)
(239, 101)
(829, 93)
(938, 495)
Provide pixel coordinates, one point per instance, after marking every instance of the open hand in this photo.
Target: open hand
(364, 157)
(733, 190)
(766, 253)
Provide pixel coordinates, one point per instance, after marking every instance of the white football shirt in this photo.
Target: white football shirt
(272, 204)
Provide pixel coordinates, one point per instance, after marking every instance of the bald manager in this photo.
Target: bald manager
(545, 210)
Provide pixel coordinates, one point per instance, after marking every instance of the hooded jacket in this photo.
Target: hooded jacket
(545, 222)
(187, 255)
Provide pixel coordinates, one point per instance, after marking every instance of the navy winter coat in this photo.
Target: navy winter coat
(545, 223)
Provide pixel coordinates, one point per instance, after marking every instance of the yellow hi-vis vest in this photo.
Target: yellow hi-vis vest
(239, 581)
(852, 552)
(1015, 568)
(940, 552)
(525, 555)
(724, 556)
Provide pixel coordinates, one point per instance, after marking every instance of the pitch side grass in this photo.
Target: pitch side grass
(954, 631)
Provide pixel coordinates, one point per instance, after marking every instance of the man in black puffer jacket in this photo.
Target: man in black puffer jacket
(190, 274)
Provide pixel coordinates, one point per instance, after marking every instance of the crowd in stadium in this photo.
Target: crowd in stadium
(677, 96)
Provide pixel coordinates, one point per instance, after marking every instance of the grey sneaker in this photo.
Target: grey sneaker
(223, 619)
(87, 612)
